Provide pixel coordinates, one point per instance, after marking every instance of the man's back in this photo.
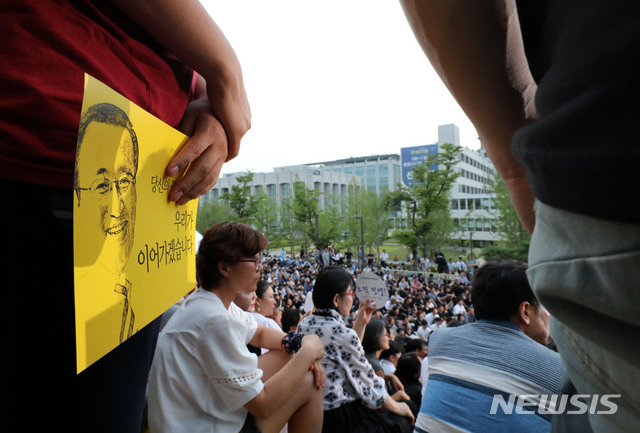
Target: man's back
(470, 364)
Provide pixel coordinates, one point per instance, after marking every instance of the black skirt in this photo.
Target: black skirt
(355, 417)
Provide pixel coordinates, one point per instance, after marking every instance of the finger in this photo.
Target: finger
(207, 132)
(200, 177)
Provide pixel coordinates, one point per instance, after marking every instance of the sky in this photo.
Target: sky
(332, 79)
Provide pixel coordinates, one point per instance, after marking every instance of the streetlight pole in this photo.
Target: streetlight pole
(361, 238)
(317, 229)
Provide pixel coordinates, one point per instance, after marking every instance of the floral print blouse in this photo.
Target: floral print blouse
(349, 375)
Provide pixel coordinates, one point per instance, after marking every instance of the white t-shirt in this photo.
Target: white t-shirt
(424, 373)
(202, 373)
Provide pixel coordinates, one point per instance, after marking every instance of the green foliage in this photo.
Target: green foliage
(239, 199)
(306, 205)
(210, 214)
(518, 252)
(373, 210)
(508, 224)
(427, 200)
(265, 217)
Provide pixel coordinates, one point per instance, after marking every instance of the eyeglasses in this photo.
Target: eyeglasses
(257, 260)
(104, 185)
(348, 294)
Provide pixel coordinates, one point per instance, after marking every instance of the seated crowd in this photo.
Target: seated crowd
(273, 343)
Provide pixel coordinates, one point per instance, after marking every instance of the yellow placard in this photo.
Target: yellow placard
(134, 251)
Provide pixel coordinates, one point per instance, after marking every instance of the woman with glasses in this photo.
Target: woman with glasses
(204, 378)
(352, 393)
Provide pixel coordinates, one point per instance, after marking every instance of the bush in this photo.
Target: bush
(496, 252)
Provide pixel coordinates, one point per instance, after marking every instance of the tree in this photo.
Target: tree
(290, 228)
(427, 196)
(240, 200)
(306, 208)
(508, 223)
(212, 213)
(265, 217)
(375, 218)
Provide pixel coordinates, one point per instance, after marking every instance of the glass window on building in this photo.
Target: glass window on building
(271, 190)
(215, 193)
(463, 203)
(454, 204)
(478, 203)
(285, 190)
(348, 170)
(316, 186)
(359, 171)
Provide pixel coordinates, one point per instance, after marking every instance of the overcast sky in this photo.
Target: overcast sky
(332, 79)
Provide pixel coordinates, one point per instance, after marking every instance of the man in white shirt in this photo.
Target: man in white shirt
(423, 330)
(459, 308)
(384, 256)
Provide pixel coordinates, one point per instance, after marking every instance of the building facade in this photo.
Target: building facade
(472, 212)
(332, 186)
(472, 209)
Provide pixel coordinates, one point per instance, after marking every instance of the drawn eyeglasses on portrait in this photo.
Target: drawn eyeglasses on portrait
(104, 185)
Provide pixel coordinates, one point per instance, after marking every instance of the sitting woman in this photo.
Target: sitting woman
(353, 393)
(203, 378)
(265, 305)
(375, 340)
(408, 372)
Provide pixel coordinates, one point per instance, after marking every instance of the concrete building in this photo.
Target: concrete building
(378, 173)
(471, 204)
(472, 210)
(279, 184)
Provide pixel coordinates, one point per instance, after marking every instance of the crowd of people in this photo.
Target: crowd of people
(419, 301)
(370, 361)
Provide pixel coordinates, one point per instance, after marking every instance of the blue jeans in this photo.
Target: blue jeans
(586, 272)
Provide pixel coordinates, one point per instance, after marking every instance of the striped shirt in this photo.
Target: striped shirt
(470, 364)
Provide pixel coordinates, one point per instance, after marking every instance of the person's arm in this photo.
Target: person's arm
(392, 379)
(268, 338)
(476, 48)
(363, 318)
(186, 29)
(399, 408)
(278, 387)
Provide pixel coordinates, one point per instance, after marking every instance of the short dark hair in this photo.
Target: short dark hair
(408, 369)
(499, 288)
(413, 344)
(111, 115)
(394, 349)
(373, 333)
(290, 318)
(331, 280)
(262, 287)
(225, 242)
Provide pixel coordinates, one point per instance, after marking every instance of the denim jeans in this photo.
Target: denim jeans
(586, 272)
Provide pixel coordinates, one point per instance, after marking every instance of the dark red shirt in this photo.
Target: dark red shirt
(46, 48)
